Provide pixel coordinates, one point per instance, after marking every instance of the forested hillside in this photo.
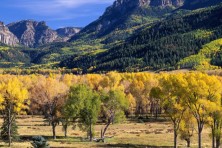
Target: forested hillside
(160, 46)
(12, 56)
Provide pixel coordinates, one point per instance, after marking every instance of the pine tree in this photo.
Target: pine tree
(14, 132)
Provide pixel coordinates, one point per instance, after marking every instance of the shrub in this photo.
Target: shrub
(39, 142)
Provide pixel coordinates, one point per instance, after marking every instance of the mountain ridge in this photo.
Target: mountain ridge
(33, 34)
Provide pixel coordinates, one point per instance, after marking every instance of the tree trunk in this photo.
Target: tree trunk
(65, 131)
(199, 137)
(9, 127)
(188, 143)
(213, 138)
(101, 134)
(156, 113)
(53, 130)
(90, 131)
(104, 131)
(213, 128)
(218, 142)
(9, 133)
(175, 137)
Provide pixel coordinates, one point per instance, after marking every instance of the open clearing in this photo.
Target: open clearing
(128, 134)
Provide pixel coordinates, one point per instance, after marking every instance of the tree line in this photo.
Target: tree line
(189, 100)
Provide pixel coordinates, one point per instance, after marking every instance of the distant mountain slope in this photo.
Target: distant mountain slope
(12, 56)
(124, 16)
(159, 46)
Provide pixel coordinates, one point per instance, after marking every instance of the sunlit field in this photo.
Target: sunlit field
(127, 134)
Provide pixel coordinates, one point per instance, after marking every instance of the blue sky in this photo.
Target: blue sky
(57, 13)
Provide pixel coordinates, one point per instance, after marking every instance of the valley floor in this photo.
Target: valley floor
(128, 134)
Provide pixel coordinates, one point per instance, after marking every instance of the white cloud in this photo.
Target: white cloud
(75, 3)
(54, 7)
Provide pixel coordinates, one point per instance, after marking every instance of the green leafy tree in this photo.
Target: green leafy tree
(90, 112)
(114, 104)
(74, 104)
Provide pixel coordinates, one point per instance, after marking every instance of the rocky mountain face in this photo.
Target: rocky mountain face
(32, 34)
(6, 36)
(125, 14)
(67, 32)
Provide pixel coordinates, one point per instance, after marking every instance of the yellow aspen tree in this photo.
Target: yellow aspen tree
(172, 100)
(202, 91)
(13, 101)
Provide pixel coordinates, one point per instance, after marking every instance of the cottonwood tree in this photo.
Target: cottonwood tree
(74, 104)
(13, 101)
(50, 94)
(187, 127)
(172, 95)
(203, 90)
(90, 112)
(114, 104)
(132, 104)
(155, 101)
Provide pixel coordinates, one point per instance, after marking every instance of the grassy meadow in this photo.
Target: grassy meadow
(127, 134)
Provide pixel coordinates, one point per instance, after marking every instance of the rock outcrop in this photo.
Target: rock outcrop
(6, 37)
(32, 33)
(67, 32)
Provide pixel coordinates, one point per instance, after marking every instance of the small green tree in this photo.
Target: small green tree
(114, 104)
(14, 130)
(90, 112)
(73, 105)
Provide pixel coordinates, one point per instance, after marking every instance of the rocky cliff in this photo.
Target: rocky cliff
(32, 33)
(67, 32)
(6, 36)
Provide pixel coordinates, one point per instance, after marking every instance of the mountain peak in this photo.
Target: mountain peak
(32, 33)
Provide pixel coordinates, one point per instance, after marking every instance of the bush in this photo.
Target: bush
(39, 142)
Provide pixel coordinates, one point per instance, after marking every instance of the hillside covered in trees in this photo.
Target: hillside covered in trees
(160, 46)
(133, 36)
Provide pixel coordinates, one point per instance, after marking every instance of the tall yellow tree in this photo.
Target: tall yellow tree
(201, 93)
(49, 94)
(13, 101)
(172, 100)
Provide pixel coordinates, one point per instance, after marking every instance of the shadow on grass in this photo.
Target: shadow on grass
(58, 139)
(131, 146)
